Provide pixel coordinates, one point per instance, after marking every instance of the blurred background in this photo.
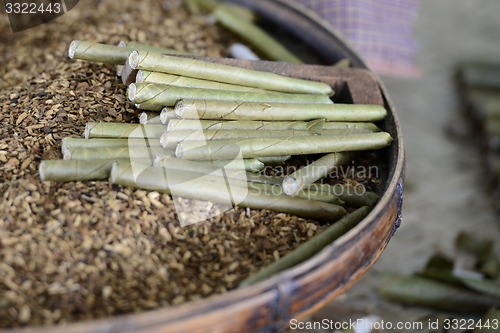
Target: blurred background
(447, 187)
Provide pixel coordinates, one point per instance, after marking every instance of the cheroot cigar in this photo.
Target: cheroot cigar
(188, 82)
(309, 248)
(165, 95)
(157, 62)
(235, 110)
(150, 118)
(224, 149)
(190, 124)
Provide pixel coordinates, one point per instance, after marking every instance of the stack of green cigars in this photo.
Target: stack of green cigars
(219, 117)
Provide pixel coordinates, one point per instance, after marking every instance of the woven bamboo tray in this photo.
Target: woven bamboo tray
(297, 292)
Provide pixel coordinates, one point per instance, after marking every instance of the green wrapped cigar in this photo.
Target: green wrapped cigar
(132, 153)
(157, 179)
(77, 170)
(77, 143)
(166, 115)
(433, 294)
(249, 164)
(172, 138)
(123, 130)
(309, 248)
(254, 35)
(133, 45)
(188, 82)
(313, 172)
(309, 195)
(151, 106)
(235, 110)
(353, 196)
(109, 54)
(492, 127)
(157, 62)
(224, 149)
(490, 322)
(159, 94)
(193, 125)
(235, 169)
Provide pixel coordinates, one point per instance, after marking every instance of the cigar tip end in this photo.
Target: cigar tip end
(164, 140)
(179, 151)
(143, 118)
(131, 92)
(72, 49)
(122, 43)
(133, 59)
(139, 77)
(41, 170)
(290, 186)
(86, 132)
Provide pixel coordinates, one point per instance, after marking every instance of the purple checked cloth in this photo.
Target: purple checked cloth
(380, 30)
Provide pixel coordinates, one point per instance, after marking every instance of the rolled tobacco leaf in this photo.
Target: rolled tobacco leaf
(188, 82)
(314, 125)
(254, 35)
(157, 179)
(309, 248)
(309, 195)
(123, 130)
(165, 95)
(313, 172)
(157, 62)
(251, 148)
(235, 110)
(433, 294)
